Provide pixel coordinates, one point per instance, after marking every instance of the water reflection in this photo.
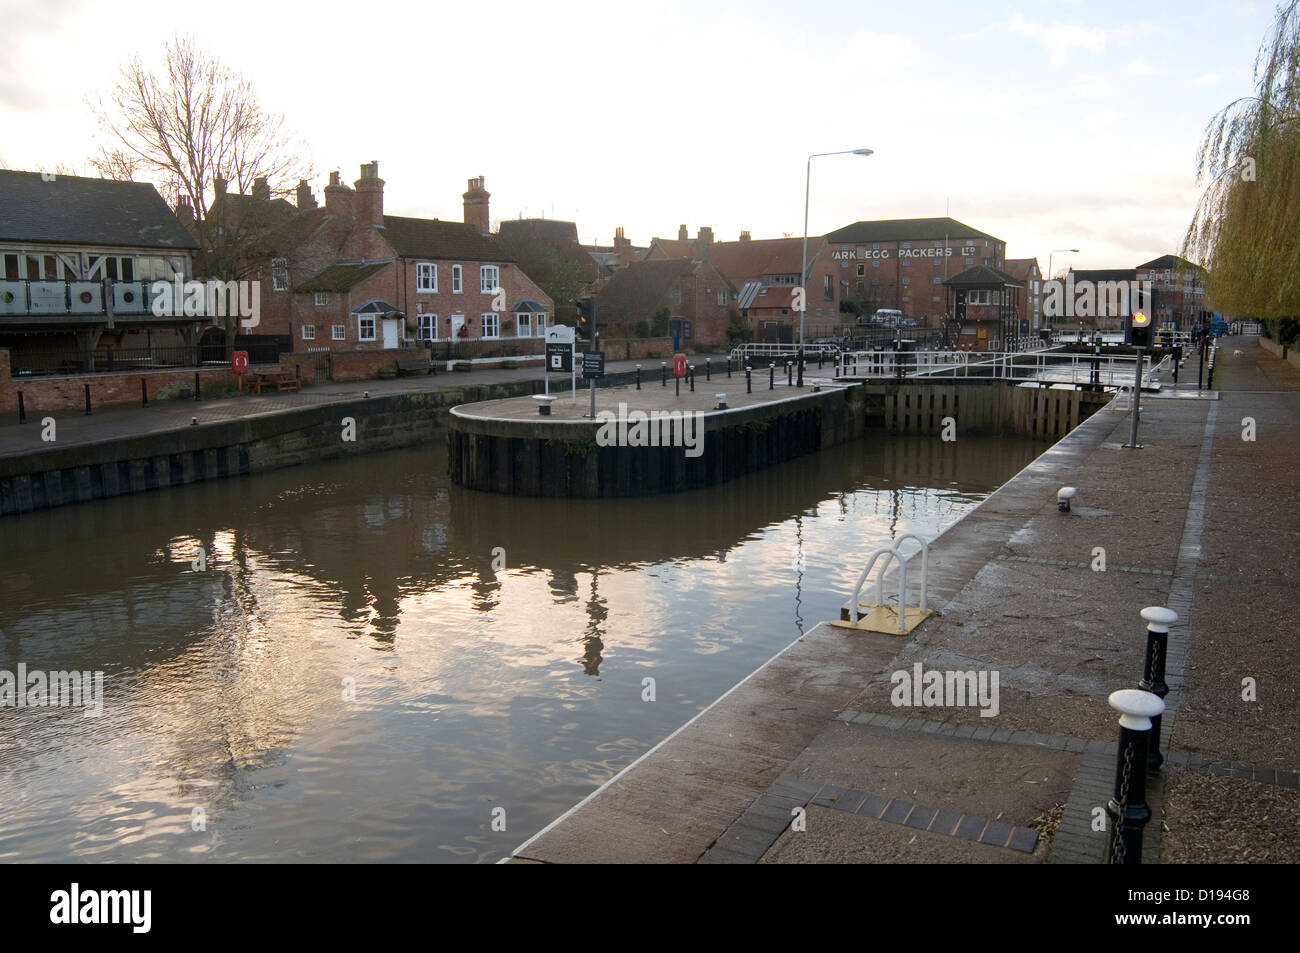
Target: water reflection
(497, 646)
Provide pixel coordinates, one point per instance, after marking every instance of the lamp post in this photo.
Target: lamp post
(803, 274)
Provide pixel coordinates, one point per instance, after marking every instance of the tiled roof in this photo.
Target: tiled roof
(82, 211)
(527, 306)
(768, 256)
(433, 239)
(1021, 267)
(1172, 262)
(375, 306)
(982, 276)
(640, 289)
(342, 277)
(672, 247)
(1106, 274)
(904, 229)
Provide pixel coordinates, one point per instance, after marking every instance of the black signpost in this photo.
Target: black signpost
(559, 357)
(593, 366)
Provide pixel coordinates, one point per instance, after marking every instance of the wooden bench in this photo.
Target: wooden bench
(419, 365)
(280, 380)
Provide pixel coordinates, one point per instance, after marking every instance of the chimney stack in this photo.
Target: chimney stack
(370, 195)
(260, 189)
(338, 197)
(744, 236)
(681, 233)
(305, 199)
(218, 186)
(184, 210)
(703, 241)
(476, 205)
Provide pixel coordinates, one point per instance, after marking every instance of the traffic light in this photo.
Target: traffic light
(1140, 329)
(586, 317)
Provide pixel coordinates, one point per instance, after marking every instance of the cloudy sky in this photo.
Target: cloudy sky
(1050, 124)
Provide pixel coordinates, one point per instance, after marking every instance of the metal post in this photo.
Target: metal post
(1158, 619)
(799, 360)
(144, 394)
(1200, 363)
(638, 377)
(663, 372)
(789, 374)
(692, 378)
(771, 375)
(22, 409)
(110, 360)
(196, 386)
(593, 398)
(1127, 808)
(87, 386)
(728, 367)
(677, 385)
(1137, 402)
(707, 370)
(749, 383)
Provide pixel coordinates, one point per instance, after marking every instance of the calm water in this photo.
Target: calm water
(518, 688)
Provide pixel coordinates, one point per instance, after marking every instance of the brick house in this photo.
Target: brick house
(986, 304)
(1026, 271)
(695, 294)
(1179, 288)
(350, 277)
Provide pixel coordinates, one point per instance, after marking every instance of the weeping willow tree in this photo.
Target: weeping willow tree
(1246, 230)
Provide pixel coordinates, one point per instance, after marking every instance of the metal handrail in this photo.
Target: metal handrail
(891, 553)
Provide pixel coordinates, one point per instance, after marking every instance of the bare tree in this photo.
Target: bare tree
(1246, 229)
(188, 129)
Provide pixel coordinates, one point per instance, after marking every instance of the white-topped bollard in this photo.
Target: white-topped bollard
(1127, 807)
(1063, 497)
(544, 402)
(722, 401)
(1158, 620)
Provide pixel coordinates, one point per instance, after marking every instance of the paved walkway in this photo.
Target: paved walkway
(116, 422)
(1200, 519)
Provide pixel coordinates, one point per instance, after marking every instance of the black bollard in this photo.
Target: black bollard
(692, 378)
(663, 372)
(1127, 808)
(87, 386)
(1158, 619)
(22, 409)
(789, 374)
(677, 385)
(771, 375)
(144, 394)
(749, 383)
(707, 376)
(638, 377)
(197, 390)
(798, 359)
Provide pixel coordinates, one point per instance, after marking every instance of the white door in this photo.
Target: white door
(392, 327)
(457, 322)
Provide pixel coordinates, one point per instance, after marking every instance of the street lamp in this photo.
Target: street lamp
(803, 275)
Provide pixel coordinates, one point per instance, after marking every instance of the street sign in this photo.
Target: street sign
(559, 334)
(593, 364)
(559, 357)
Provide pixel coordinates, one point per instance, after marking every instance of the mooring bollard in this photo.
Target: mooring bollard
(749, 383)
(789, 374)
(677, 385)
(663, 371)
(707, 376)
(197, 392)
(1127, 808)
(692, 378)
(638, 377)
(1158, 620)
(771, 375)
(87, 386)
(144, 394)
(728, 367)
(22, 409)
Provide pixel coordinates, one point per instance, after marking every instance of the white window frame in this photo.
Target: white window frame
(493, 320)
(361, 327)
(539, 324)
(484, 285)
(426, 323)
(279, 274)
(426, 276)
(456, 280)
(322, 298)
(522, 319)
(338, 332)
(308, 332)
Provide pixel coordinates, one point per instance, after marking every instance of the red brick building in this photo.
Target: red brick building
(348, 276)
(985, 304)
(1179, 287)
(1026, 271)
(695, 295)
(904, 263)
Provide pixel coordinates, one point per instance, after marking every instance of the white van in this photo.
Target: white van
(887, 318)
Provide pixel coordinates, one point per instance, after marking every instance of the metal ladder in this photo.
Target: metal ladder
(894, 553)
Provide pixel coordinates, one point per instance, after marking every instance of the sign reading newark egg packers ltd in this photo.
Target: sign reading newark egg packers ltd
(862, 254)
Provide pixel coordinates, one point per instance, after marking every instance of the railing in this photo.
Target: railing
(1043, 366)
(107, 360)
